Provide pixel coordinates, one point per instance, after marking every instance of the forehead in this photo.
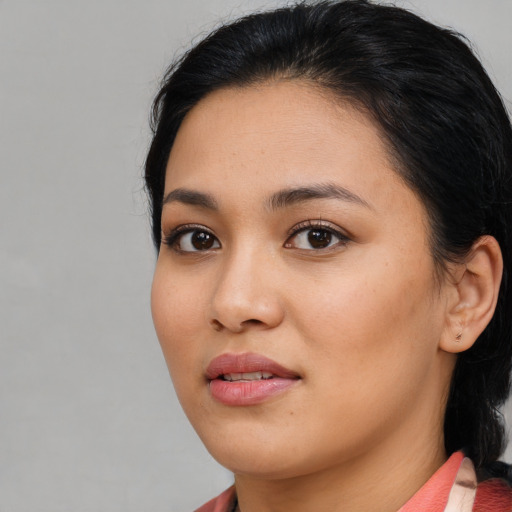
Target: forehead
(275, 135)
(279, 114)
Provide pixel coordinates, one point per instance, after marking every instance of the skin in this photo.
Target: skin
(363, 322)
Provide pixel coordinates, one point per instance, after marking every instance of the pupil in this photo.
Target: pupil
(201, 240)
(319, 238)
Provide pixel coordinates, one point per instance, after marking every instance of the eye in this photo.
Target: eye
(315, 237)
(186, 239)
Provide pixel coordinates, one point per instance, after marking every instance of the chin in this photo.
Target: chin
(271, 456)
(247, 453)
(263, 466)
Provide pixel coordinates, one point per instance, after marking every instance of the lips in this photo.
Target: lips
(247, 379)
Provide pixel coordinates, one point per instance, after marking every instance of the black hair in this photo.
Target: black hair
(445, 126)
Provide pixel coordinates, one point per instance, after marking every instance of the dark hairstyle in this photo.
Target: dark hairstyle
(446, 129)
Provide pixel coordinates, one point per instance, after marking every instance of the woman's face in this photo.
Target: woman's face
(295, 296)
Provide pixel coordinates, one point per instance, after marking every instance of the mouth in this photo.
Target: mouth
(247, 379)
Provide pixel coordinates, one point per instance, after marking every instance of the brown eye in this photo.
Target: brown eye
(319, 238)
(316, 238)
(201, 240)
(195, 241)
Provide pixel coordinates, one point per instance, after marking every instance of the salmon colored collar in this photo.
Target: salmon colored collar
(451, 488)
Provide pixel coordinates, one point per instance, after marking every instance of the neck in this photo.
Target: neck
(383, 479)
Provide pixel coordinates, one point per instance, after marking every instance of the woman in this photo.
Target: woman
(331, 194)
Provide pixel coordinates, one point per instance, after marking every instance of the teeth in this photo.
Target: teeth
(247, 376)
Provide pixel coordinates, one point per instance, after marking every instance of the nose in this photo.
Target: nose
(247, 294)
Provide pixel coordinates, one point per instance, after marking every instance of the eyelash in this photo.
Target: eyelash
(320, 225)
(172, 239)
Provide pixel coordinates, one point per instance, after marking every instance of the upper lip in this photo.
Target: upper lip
(246, 362)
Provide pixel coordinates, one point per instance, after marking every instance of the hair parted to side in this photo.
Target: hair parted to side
(445, 126)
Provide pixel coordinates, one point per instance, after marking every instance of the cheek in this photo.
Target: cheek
(177, 315)
(366, 324)
(370, 349)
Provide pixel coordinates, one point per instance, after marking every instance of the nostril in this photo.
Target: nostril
(217, 326)
(252, 321)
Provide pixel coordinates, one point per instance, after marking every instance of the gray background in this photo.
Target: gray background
(88, 418)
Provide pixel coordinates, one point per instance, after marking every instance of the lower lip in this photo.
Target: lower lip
(249, 392)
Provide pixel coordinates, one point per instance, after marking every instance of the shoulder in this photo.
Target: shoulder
(222, 503)
(493, 495)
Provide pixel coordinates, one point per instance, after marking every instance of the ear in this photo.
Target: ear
(473, 295)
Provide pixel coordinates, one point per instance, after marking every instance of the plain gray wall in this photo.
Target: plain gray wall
(88, 418)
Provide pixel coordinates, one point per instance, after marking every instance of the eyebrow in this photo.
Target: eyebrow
(291, 196)
(191, 197)
(278, 200)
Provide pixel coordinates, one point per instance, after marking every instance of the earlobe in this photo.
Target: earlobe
(476, 286)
